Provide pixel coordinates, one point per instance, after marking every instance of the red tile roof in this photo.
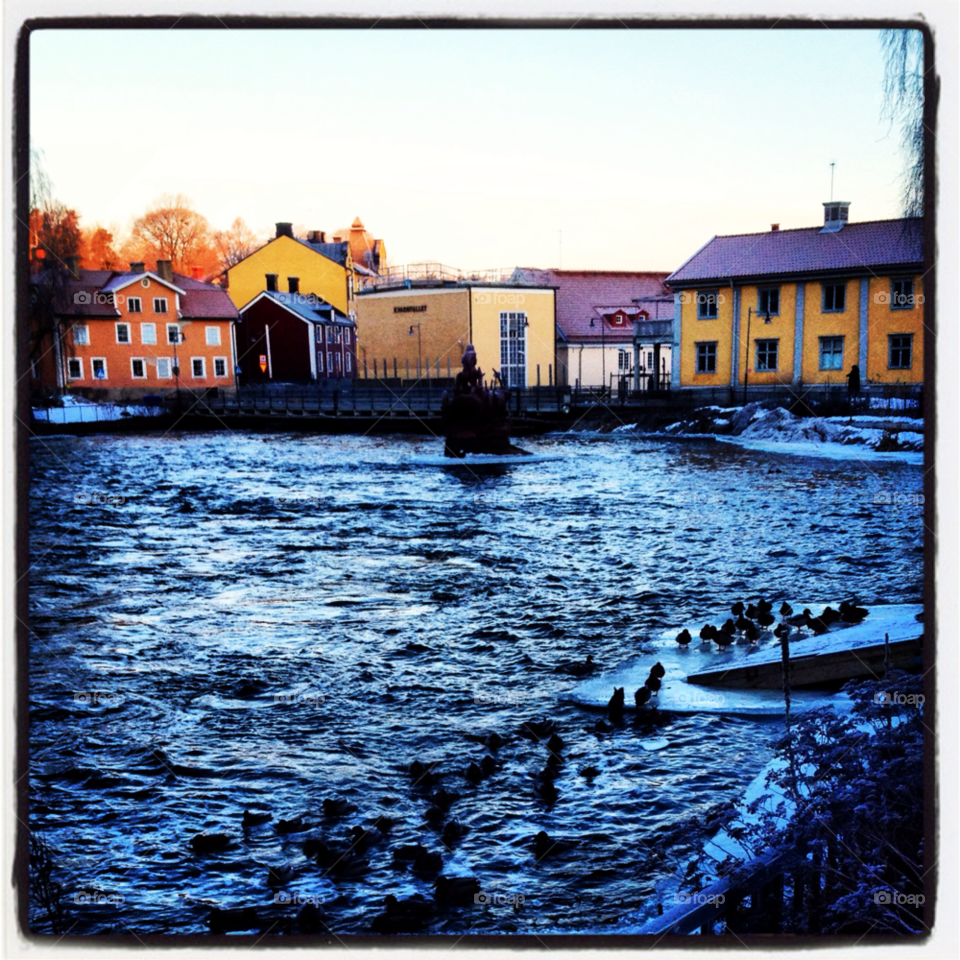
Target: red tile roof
(859, 247)
(585, 295)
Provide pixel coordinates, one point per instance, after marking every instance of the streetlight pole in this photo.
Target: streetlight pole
(176, 363)
(419, 345)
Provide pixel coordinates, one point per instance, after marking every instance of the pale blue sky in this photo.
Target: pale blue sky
(473, 147)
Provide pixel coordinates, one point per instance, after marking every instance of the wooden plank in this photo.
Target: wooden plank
(806, 670)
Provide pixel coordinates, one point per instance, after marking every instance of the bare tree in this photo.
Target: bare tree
(236, 243)
(172, 230)
(903, 102)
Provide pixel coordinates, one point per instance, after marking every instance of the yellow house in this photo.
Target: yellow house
(287, 263)
(420, 330)
(802, 306)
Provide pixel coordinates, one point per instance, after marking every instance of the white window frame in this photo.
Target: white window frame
(117, 326)
(226, 372)
(130, 305)
(766, 341)
(174, 326)
(320, 354)
(212, 330)
(165, 303)
(330, 365)
(141, 360)
(203, 368)
(623, 360)
(93, 368)
(346, 337)
(169, 374)
(144, 327)
(833, 353)
(513, 330)
(84, 339)
(70, 360)
(347, 361)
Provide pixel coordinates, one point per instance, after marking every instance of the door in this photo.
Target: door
(513, 348)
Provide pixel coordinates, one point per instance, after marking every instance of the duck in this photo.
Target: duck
(434, 815)
(764, 606)
(444, 799)
(421, 773)
(723, 639)
(429, 863)
(473, 773)
(408, 852)
(641, 697)
(829, 616)
(785, 609)
(683, 637)
(350, 868)
(311, 920)
(210, 842)
(850, 613)
(362, 839)
(294, 825)
(546, 846)
(653, 684)
(578, 669)
(494, 741)
(456, 890)
(765, 618)
(538, 729)
(601, 726)
(488, 765)
(385, 824)
(743, 624)
(555, 743)
(751, 612)
(737, 609)
(453, 831)
(327, 855)
(589, 772)
(251, 819)
(753, 633)
(546, 791)
(801, 619)
(615, 704)
(279, 876)
(657, 670)
(415, 906)
(817, 625)
(781, 630)
(338, 808)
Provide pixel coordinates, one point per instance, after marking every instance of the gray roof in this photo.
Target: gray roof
(337, 252)
(306, 305)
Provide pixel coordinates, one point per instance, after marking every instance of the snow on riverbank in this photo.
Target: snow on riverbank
(779, 431)
(79, 410)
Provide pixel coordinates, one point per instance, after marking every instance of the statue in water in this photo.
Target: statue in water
(475, 417)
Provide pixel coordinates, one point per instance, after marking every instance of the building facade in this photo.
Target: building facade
(424, 326)
(122, 335)
(294, 338)
(802, 306)
(318, 267)
(597, 316)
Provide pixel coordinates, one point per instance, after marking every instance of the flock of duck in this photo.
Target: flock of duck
(347, 857)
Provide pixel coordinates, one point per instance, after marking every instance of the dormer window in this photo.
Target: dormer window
(835, 215)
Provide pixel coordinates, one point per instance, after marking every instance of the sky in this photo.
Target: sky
(593, 149)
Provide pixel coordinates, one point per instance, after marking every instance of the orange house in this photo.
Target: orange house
(122, 335)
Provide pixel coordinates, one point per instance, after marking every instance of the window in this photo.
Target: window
(74, 368)
(319, 356)
(348, 362)
(213, 336)
(707, 304)
(159, 304)
(833, 298)
(219, 366)
(831, 353)
(173, 333)
(198, 366)
(329, 361)
(346, 338)
(767, 351)
(901, 294)
(123, 333)
(706, 357)
(163, 368)
(138, 368)
(649, 359)
(768, 301)
(513, 348)
(148, 333)
(623, 361)
(134, 305)
(319, 329)
(901, 350)
(98, 367)
(81, 335)
(337, 335)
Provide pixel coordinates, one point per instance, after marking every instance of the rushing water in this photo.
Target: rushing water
(272, 620)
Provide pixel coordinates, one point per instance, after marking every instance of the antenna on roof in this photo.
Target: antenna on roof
(833, 163)
(560, 266)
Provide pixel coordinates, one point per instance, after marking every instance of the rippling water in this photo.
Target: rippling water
(276, 620)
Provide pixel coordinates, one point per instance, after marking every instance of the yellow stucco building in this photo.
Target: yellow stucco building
(512, 327)
(298, 266)
(802, 306)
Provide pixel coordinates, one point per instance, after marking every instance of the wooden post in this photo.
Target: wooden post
(549, 374)
(538, 388)
(374, 368)
(364, 368)
(408, 370)
(448, 366)
(438, 368)
(394, 368)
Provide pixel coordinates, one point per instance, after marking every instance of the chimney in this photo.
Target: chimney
(284, 229)
(322, 234)
(272, 282)
(137, 266)
(774, 227)
(294, 283)
(165, 270)
(196, 273)
(835, 215)
(73, 266)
